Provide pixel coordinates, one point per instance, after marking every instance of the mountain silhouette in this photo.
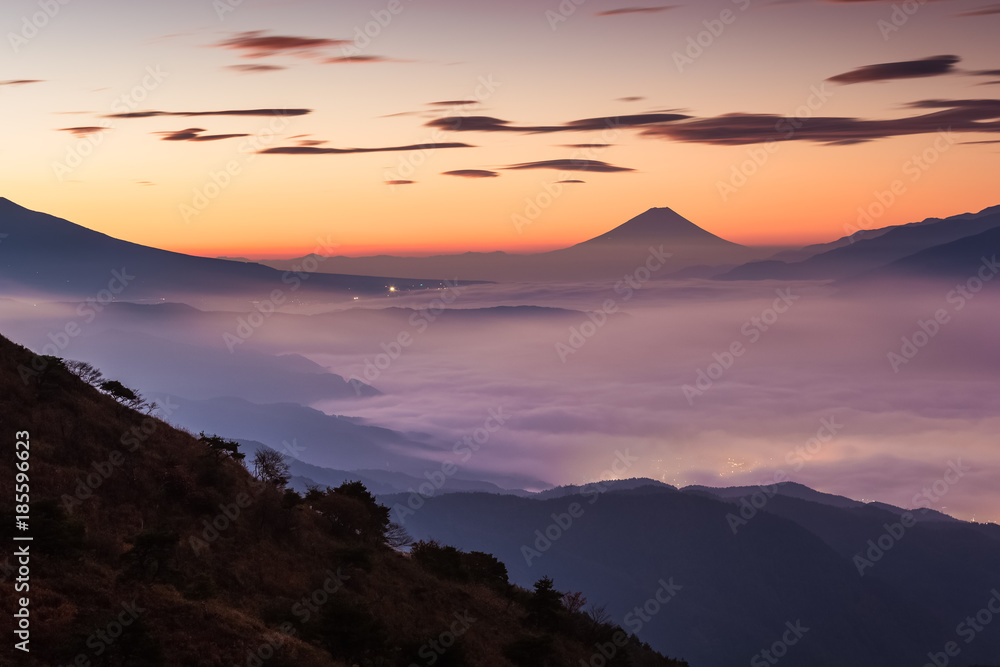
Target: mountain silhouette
(608, 256)
(658, 225)
(959, 260)
(45, 254)
(868, 254)
(790, 559)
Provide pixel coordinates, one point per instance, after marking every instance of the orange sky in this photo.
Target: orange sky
(512, 64)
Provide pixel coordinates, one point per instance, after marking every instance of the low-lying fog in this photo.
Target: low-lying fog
(700, 382)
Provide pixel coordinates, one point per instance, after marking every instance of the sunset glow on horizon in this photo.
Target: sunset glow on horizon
(451, 127)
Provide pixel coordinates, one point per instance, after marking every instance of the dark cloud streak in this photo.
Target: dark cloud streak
(490, 124)
(359, 60)
(84, 131)
(195, 134)
(571, 165)
(228, 112)
(988, 10)
(742, 128)
(471, 173)
(906, 69)
(312, 150)
(635, 10)
(247, 68)
(258, 44)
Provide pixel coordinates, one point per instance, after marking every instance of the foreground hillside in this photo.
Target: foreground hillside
(90, 261)
(151, 547)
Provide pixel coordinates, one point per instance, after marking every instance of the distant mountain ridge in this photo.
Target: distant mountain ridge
(800, 254)
(972, 257)
(849, 259)
(50, 255)
(607, 256)
(874, 585)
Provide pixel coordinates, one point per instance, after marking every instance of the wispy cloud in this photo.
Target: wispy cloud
(85, 130)
(570, 165)
(195, 134)
(906, 69)
(471, 173)
(636, 10)
(313, 150)
(227, 112)
(304, 140)
(255, 68)
(987, 73)
(359, 60)
(490, 124)
(736, 129)
(19, 82)
(258, 44)
(988, 10)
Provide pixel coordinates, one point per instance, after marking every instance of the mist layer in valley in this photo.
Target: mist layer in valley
(869, 394)
(870, 381)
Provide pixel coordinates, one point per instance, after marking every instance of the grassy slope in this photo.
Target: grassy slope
(131, 542)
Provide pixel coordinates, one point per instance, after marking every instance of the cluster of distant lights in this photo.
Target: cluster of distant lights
(392, 288)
